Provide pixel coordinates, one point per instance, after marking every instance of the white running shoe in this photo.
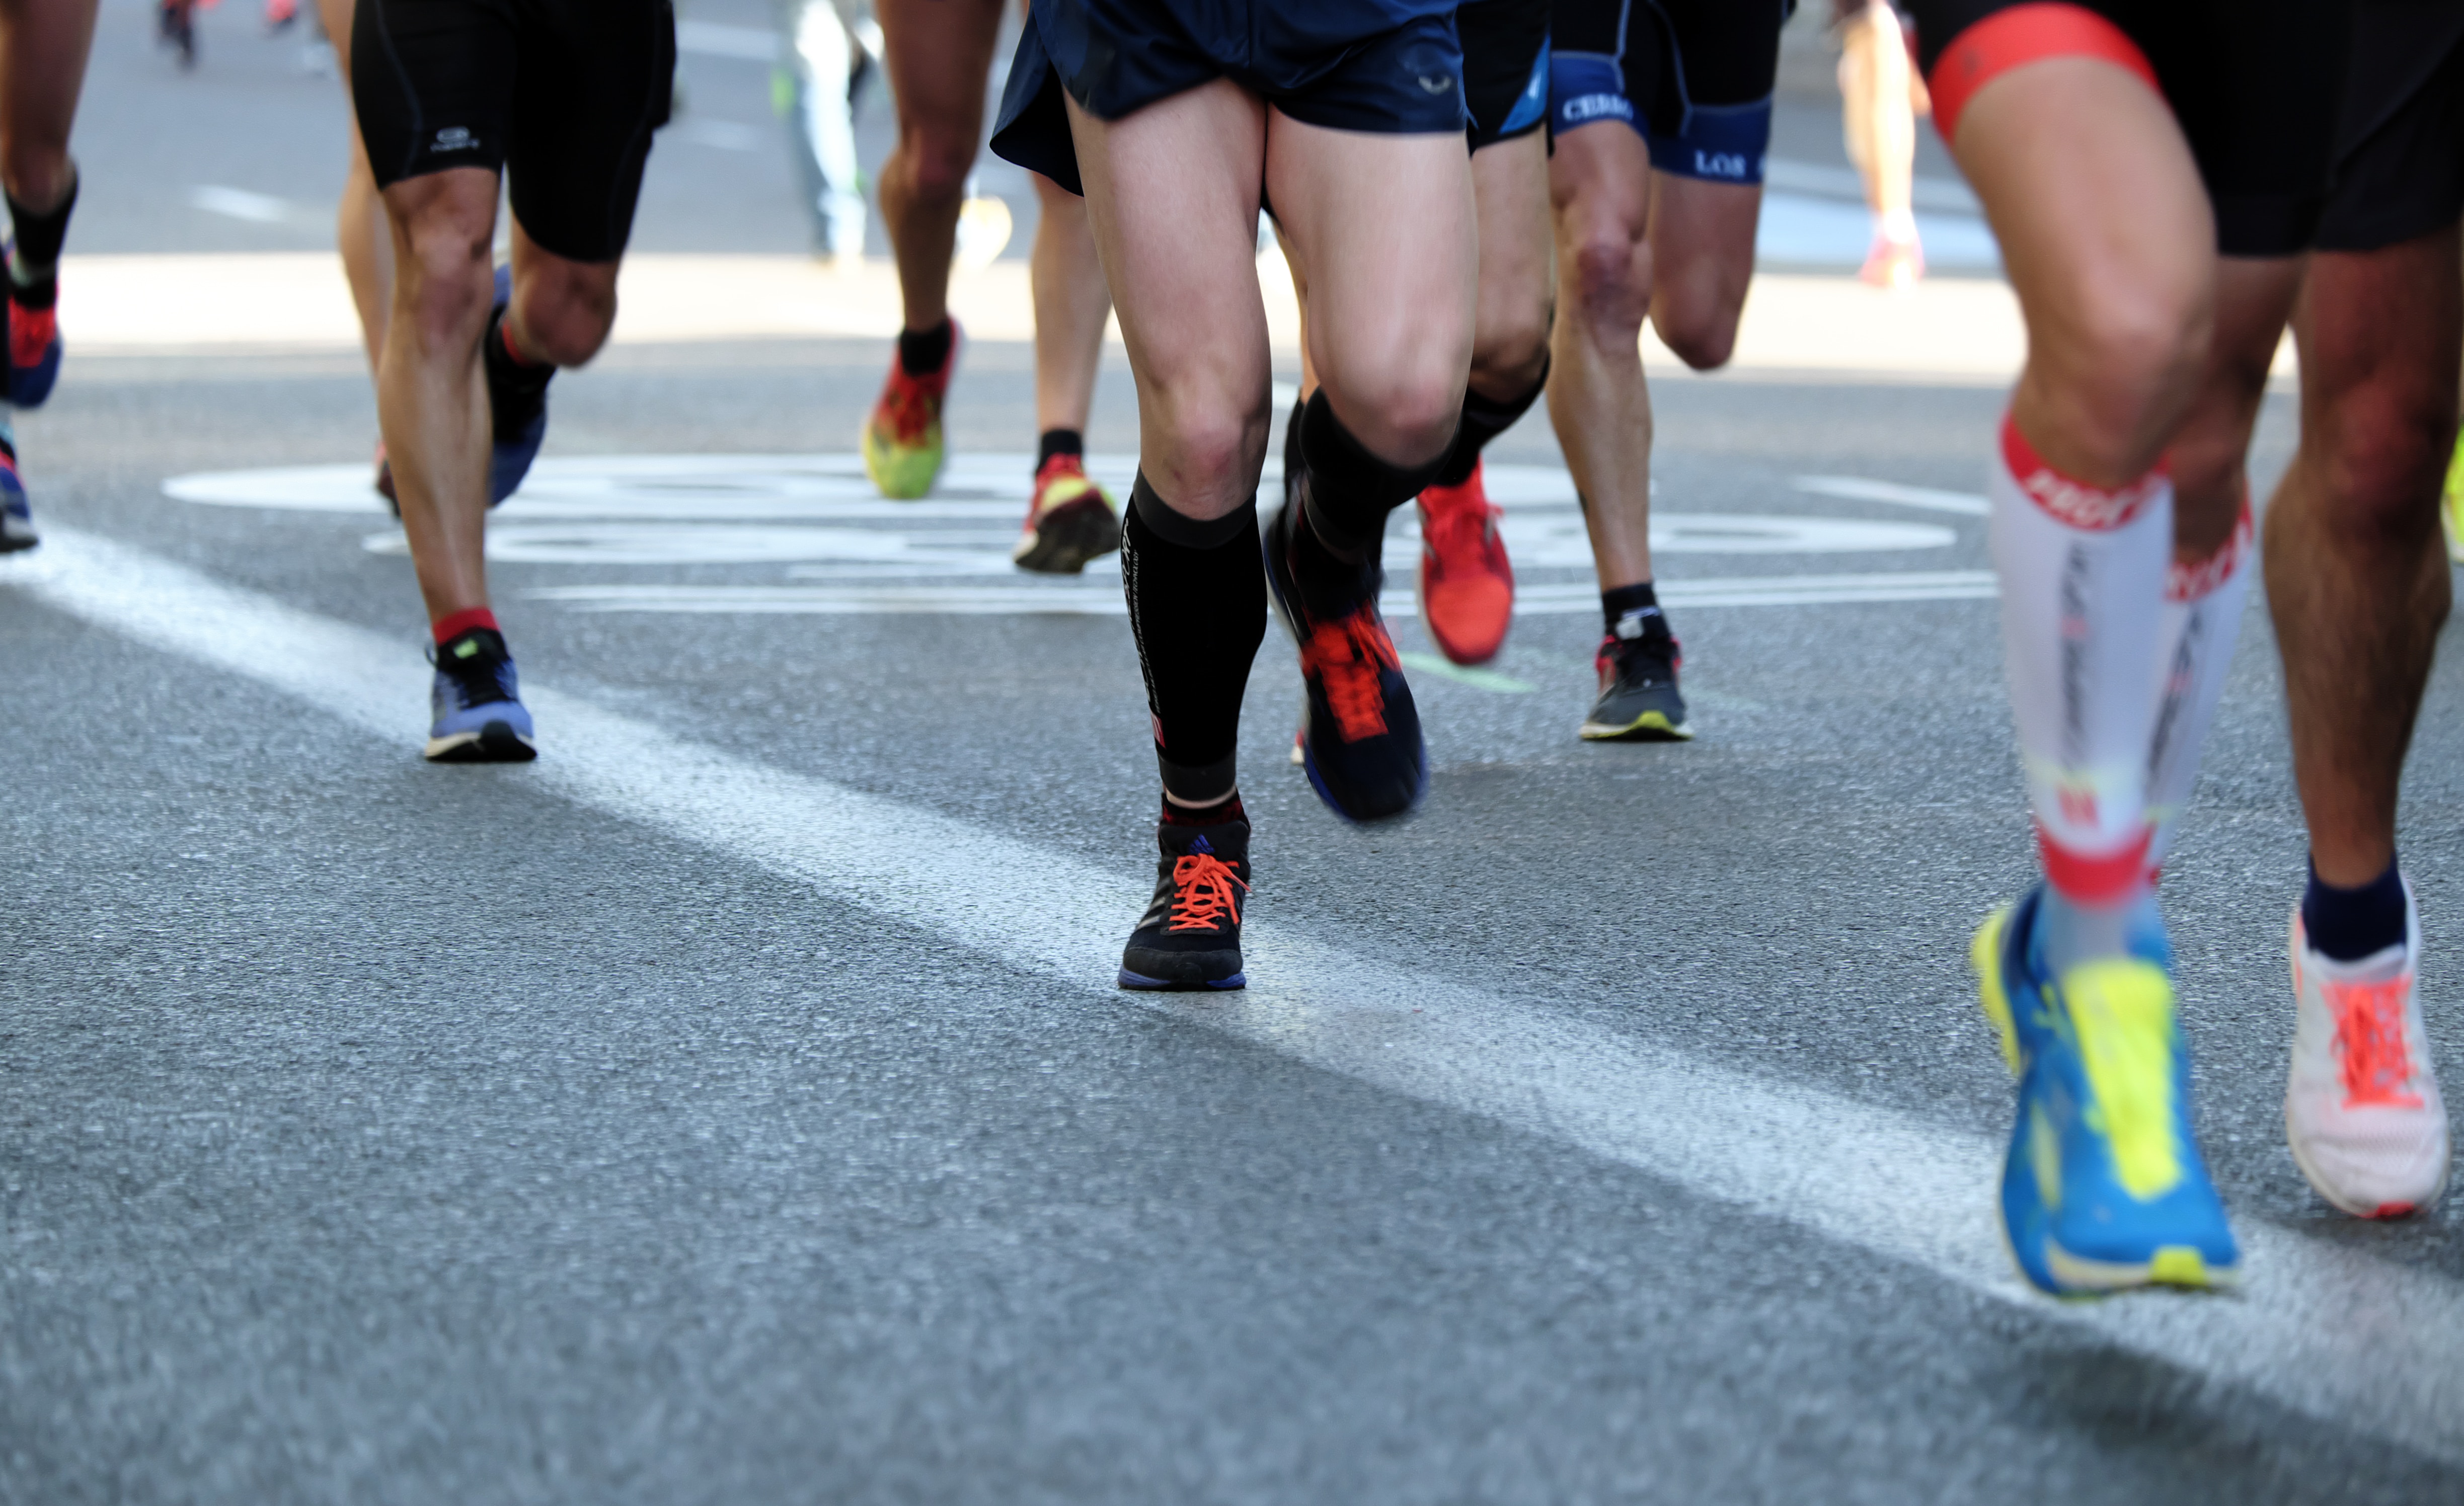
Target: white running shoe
(2362, 1110)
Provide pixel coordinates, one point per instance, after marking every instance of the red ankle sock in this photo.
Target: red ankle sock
(455, 624)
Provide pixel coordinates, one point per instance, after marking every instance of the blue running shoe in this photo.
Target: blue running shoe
(1360, 734)
(34, 344)
(477, 703)
(16, 516)
(516, 402)
(2103, 1187)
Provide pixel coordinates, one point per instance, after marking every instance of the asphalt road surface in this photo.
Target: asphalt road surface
(734, 1105)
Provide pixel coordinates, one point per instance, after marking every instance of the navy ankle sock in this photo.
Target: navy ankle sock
(2348, 925)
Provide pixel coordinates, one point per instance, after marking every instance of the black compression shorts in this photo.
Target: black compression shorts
(1693, 78)
(1388, 67)
(2399, 146)
(2251, 82)
(1506, 67)
(559, 96)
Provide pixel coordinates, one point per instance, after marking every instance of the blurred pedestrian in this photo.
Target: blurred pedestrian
(823, 68)
(1880, 95)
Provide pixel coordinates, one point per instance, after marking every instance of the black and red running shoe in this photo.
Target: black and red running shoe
(1190, 936)
(1360, 734)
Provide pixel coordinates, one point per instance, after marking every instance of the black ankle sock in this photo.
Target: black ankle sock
(1630, 611)
(34, 267)
(1483, 419)
(516, 387)
(1226, 809)
(1058, 442)
(1197, 609)
(921, 352)
(2349, 925)
(1351, 491)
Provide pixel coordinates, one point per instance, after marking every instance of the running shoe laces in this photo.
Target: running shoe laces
(1202, 891)
(2369, 1042)
(1348, 655)
(476, 668)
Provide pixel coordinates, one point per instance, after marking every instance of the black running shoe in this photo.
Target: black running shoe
(1360, 734)
(1638, 700)
(1190, 937)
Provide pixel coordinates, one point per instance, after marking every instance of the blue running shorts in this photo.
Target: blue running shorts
(1393, 67)
(1693, 78)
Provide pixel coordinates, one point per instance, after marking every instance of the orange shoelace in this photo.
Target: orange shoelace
(30, 333)
(1204, 898)
(2370, 1028)
(1347, 656)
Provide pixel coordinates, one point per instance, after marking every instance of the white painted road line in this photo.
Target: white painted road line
(1857, 489)
(2359, 1342)
(1091, 599)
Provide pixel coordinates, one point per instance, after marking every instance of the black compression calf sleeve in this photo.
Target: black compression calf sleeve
(1197, 608)
(1483, 419)
(35, 263)
(1350, 490)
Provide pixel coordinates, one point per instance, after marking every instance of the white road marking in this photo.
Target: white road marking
(2328, 1330)
(727, 136)
(751, 44)
(1857, 489)
(1478, 679)
(1104, 600)
(239, 203)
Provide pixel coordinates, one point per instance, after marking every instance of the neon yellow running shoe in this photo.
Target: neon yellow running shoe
(902, 437)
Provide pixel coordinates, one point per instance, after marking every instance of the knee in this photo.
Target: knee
(566, 315)
(1608, 285)
(935, 162)
(1703, 338)
(1511, 347)
(2385, 451)
(1219, 439)
(446, 285)
(2126, 362)
(1405, 416)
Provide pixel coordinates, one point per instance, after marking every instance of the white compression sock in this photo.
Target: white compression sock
(2202, 618)
(2082, 571)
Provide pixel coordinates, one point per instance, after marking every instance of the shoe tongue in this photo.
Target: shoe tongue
(1203, 845)
(472, 648)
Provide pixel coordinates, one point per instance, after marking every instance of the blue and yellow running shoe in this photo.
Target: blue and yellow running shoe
(2102, 1189)
(2451, 503)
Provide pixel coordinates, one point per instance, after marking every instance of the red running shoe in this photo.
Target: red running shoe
(1466, 583)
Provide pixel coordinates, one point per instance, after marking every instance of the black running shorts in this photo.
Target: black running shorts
(1506, 67)
(559, 96)
(2399, 146)
(1692, 77)
(2251, 82)
(1392, 67)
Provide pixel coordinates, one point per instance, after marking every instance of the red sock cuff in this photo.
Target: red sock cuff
(455, 624)
(2193, 580)
(514, 352)
(2022, 35)
(2098, 877)
(2070, 501)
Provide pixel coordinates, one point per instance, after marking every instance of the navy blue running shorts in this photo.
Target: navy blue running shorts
(559, 96)
(1506, 67)
(1692, 77)
(2400, 145)
(1392, 67)
(2253, 83)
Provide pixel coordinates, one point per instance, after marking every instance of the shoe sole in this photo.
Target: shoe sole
(2378, 1211)
(2172, 1265)
(1067, 537)
(1143, 984)
(1651, 726)
(11, 543)
(494, 743)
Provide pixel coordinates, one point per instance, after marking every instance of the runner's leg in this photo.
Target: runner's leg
(1071, 305)
(2357, 578)
(939, 54)
(359, 220)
